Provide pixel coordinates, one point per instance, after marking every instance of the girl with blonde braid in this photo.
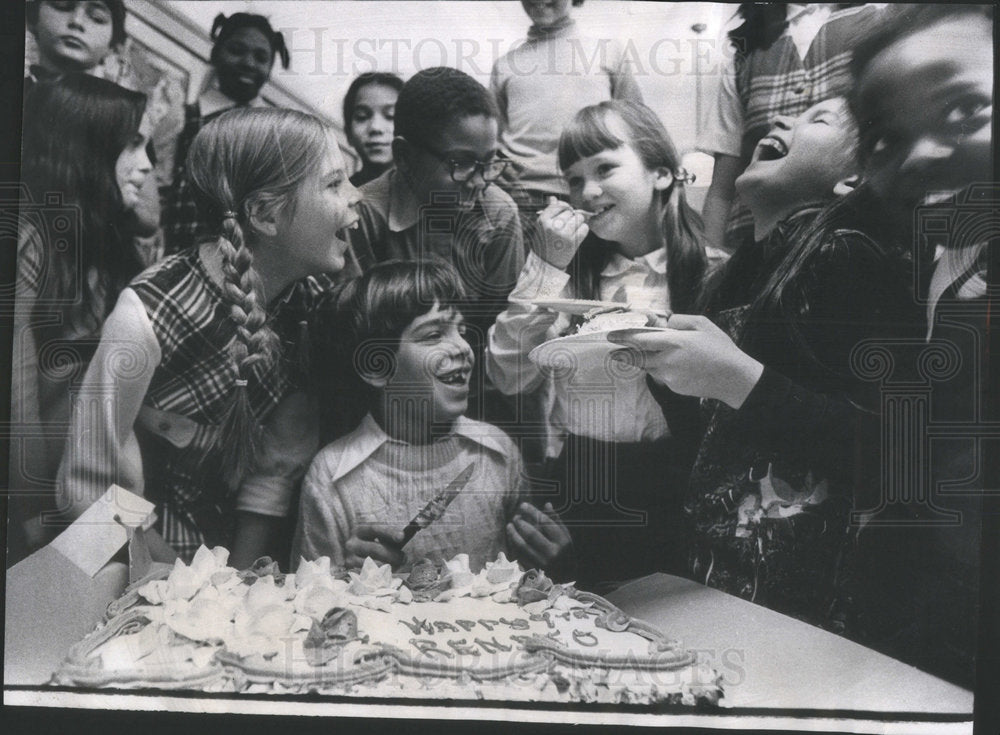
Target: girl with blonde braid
(191, 399)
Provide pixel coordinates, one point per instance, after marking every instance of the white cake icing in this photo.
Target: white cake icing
(461, 636)
(602, 320)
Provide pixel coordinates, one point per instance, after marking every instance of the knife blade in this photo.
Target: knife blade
(437, 505)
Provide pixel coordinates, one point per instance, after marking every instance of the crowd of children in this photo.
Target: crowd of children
(313, 364)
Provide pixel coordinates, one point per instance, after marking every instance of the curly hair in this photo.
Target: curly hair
(433, 98)
(75, 128)
(223, 28)
(247, 160)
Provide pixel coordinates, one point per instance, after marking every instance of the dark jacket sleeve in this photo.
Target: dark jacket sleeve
(814, 401)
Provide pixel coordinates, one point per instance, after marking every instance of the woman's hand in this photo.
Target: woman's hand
(562, 229)
(382, 543)
(693, 358)
(540, 539)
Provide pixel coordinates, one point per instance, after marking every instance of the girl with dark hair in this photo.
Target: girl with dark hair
(790, 442)
(210, 421)
(369, 111)
(244, 50)
(640, 244)
(84, 162)
(784, 59)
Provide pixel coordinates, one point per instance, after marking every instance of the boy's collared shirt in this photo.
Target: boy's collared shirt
(368, 477)
(484, 243)
(360, 444)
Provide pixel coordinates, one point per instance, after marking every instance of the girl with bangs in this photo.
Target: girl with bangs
(209, 418)
(627, 235)
(84, 164)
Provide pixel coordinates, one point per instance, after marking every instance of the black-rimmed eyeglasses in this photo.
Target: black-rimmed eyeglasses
(462, 169)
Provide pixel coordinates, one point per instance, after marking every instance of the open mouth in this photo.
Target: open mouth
(341, 234)
(459, 377)
(599, 210)
(770, 149)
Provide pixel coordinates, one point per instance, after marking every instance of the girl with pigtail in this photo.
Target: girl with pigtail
(244, 50)
(626, 235)
(208, 416)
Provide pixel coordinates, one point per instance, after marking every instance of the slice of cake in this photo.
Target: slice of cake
(440, 633)
(614, 317)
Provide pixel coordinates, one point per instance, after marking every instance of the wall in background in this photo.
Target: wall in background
(332, 42)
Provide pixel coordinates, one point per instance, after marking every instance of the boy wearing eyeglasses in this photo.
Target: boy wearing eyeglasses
(439, 199)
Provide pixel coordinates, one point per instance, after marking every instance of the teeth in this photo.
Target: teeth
(772, 149)
(455, 377)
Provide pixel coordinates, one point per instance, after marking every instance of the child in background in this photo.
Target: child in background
(404, 339)
(786, 58)
(369, 109)
(540, 86)
(924, 98)
(439, 201)
(84, 138)
(73, 36)
(244, 49)
(210, 421)
(76, 36)
(643, 247)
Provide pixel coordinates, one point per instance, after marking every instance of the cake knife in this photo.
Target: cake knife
(437, 505)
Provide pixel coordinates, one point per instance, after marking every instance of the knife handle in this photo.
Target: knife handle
(409, 532)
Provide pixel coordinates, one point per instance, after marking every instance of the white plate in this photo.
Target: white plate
(568, 354)
(582, 307)
(576, 306)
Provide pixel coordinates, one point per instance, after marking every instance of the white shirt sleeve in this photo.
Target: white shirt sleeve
(522, 327)
(723, 130)
(102, 447)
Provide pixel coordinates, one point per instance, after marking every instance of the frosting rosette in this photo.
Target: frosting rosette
(374, 580)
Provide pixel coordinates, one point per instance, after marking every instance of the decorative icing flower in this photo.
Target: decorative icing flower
(183, 582)
(205, 563)
(312, 572)
(315, 600)
(263, 594)
(459, 572)
(203, 619)
(155, 592)
(502, 570)
(373, 579)
(534, 586)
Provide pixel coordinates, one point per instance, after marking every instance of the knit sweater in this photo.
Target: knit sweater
(367, 477)
(542, 84)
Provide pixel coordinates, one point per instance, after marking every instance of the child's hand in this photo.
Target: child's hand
(380, 542)
(539, 539)
(562, 230)
(693, 358)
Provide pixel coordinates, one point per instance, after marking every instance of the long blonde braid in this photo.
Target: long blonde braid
(244, 159)
(255, 342)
